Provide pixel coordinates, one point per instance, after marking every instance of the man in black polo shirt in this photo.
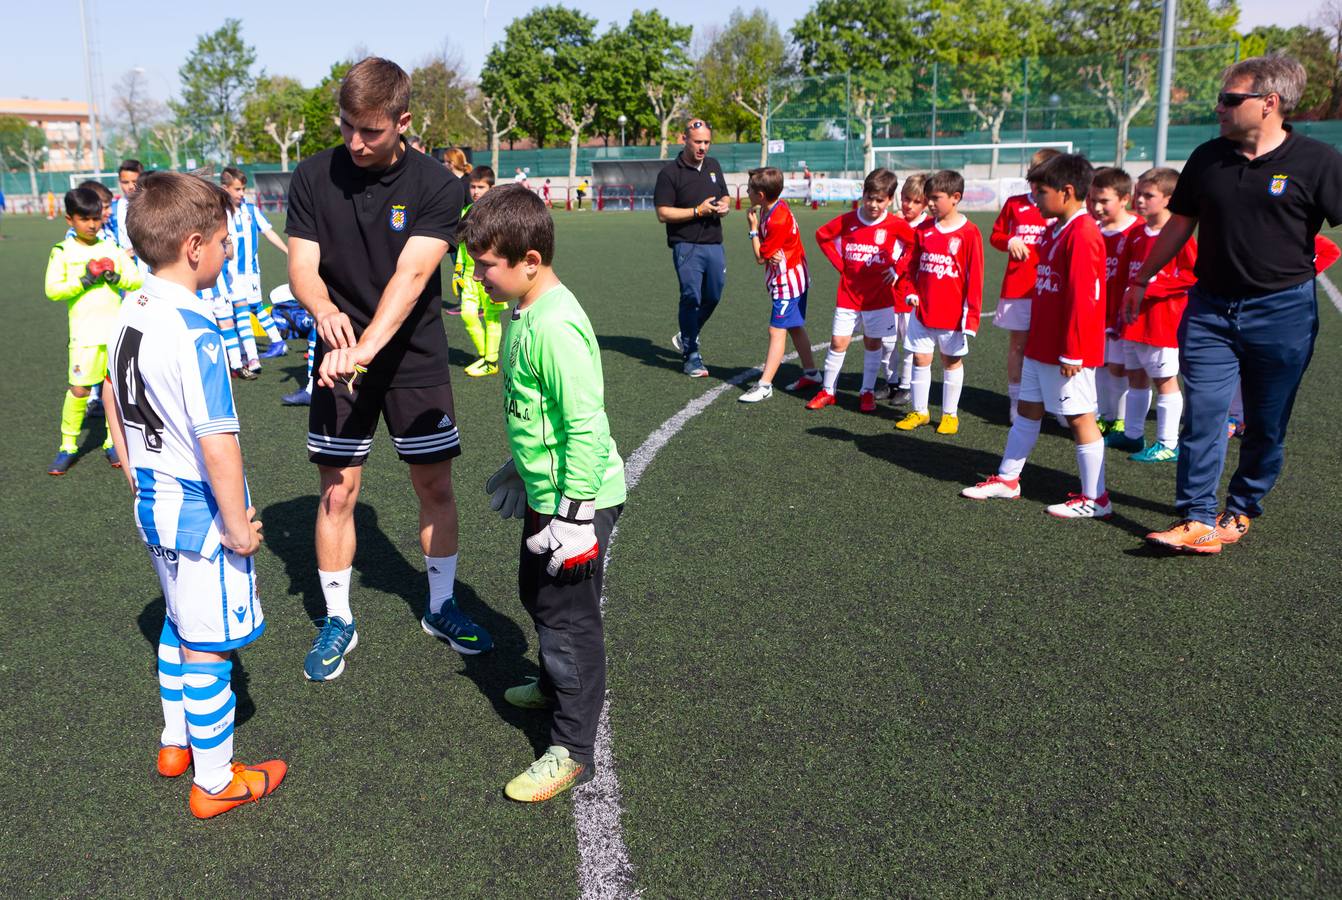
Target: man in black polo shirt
(369, 223)
(1259, 194)
(691, 198)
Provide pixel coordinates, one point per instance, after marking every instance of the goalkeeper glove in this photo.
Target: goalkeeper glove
(458, 285)
(94, 271)
(570, 539)
(507, 493)
(110, 274)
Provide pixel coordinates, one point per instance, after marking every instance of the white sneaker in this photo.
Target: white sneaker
(994, 488)
(675, 342)
(1079, 507)
(805, 381)
(759, 392)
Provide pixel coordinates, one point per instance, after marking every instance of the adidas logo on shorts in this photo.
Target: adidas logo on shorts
(445, 422)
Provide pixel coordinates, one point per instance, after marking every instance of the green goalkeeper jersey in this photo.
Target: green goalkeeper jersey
(464, 285)
(93, 311)
(554, 406)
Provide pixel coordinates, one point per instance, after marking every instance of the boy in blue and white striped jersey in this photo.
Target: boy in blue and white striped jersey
(247, 224)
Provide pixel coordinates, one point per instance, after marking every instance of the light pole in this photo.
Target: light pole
(297, 138)
(622, 120)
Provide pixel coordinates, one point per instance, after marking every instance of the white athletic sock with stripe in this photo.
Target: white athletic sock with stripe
(231, 348)
(335, 590)
(1013, 394)
(906, 372)
(1104, 392)
(209, 700)
(1169, 407)
(1134, 419)
(871, 366)
(1020, 441)
(889, 347)
(922, 386)
(442, 580)
(170, 687)
(242, 318)
(952, 383)
(1090, 462)
(1120, 397)
(267, 322)
(833, 365)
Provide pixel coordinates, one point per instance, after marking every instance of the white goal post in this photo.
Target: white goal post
(961, 151)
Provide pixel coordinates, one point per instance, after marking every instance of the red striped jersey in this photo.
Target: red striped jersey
(778, 232)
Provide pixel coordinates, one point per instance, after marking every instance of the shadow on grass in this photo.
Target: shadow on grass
(150, 622)
(657, 356)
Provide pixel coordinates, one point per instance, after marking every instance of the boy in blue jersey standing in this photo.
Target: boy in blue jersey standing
(246, 225)
(173, 420)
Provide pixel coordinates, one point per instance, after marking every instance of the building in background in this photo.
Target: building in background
(66, 125)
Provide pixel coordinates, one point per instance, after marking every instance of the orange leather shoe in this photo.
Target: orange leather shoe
(1187, 536)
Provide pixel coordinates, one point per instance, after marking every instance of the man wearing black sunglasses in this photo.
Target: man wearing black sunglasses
(1259, 194)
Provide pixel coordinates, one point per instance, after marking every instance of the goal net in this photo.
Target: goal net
(978, 160)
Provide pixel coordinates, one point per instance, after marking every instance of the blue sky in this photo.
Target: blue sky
(291, 40)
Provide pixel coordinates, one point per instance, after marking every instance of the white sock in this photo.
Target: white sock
(208, 697)
(1134, 418)
(922, 386)
(335, 589)
(234, 354)
(833, 365)
(871, 365)
(1120, 397)
(1169, 407)
(889, 349)
(1090, 461)
(1020, 441)
(1237, 402)
(906, 371)
(170, 687)
(442, 580)
(1104, 390)
(952, 382)
(1013, 393)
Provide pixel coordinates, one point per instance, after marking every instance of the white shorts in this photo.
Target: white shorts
(1013, 315)
(922, 339)
(1159, 362)
(222, 307)
(212, 603)
(1043, 383)
(1113, 350)
(902, 324)
(248, 286)
(876, 323)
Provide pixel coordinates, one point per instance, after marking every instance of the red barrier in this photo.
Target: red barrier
(740, 189)
(619, 194)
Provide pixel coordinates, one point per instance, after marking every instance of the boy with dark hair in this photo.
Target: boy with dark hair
(173, 417)
(482, 316)
(1065, 343)
(127, 176)
(86, 272)
(913, 207)
(1110, 193)
(776, 243)
(564, 476)
(107, 229)
(247, 225)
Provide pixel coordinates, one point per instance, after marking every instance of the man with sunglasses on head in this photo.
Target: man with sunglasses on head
(691, 199)
(1259, 194)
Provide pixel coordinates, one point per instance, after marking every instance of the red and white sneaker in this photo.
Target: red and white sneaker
(995, 488)
(1079, 506)
(822, 399)
(805, 381)
(866, 401)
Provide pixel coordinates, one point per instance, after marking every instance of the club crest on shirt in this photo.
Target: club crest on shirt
(1278, 185)
(713, 177)
(880, 235)
(398, 217)
(954, 245)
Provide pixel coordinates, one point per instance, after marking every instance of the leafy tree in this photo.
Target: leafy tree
(731, 84)
(321, 111)
(272, 115)
(215, 78)
(490, 120)
(22, 144)
(650, 51)
(135, 107)
(439, 99)
(1314, 49)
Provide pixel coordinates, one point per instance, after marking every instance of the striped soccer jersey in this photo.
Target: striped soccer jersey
(778, 232)
(170, 378)
(245, 225)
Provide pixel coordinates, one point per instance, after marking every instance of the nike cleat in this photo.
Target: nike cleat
(275, 350)
(756, 394)
(806, 380)
(173, 761)
(822, 399)
(913, 420)
(249, 785)
(455, 627)
(61, 464)
(1155, 453)
(1232, 526)
(949, 424)
(300, 397)
(528, 696)
(1188, 536)
(554, 773)
(866, 402)
(694, 366)
(482, 367)
(326, 660)
(995, 488)
(1120, 441)
(1079, 506)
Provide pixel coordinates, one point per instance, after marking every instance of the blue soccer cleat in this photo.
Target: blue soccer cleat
(1155, 453)
(112, 457)
(326, 659)
(61, 464)
(300, 397)
(455, 627)
(276, 348)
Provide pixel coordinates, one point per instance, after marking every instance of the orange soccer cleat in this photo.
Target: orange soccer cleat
(1187, 536)
(1232, 526)
(822, 399)
(249, 785)
(173, 761)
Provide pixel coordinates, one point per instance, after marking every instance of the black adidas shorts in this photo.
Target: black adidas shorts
(422, 422)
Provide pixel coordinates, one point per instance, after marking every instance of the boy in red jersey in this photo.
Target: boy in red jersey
(776, 242)
(870, 248)
(946, 277)
(1065, 345)
(913, 206)
(1110, 193)
(1151, 338)
(1017, 232)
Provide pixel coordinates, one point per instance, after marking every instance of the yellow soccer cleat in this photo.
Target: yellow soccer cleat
(552, 774)
(913, 420)
(948, 425)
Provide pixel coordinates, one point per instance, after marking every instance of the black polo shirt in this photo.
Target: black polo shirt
(1257, 218)
(683, 186)
(362, 220)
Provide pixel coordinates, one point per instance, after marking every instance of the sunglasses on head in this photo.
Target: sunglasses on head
(698, 123)
(1230, 100)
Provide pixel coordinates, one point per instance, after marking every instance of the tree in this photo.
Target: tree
(24, 145)
(439, 99)
(666, 108)
(137, 110)
(321, 112)
(650, 50)
(872, 41)
(1315, 51)
(575, 122)
(731, 84)
(273, 116)
(1329, 18)
(493, 114)
(173, 137)
(215, 79)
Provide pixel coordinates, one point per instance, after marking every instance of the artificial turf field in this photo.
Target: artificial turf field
(829, 676)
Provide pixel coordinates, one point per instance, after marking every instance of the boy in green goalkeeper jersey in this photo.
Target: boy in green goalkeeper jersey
(481, 315)
(87, 273)
(565, 478)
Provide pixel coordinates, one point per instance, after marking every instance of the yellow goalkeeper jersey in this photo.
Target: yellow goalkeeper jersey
(93, 311)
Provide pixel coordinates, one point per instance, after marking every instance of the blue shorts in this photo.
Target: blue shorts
(788, 313)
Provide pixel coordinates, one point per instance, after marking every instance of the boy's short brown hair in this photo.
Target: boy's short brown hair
(1162, 177)
(1114, 179)
(915, 187)
(510, 221)
(1043, 155)
(168, 208)
(880, 182)
(131, 165)
(376, 85)
(766, 180)
(83, 202)
(231, 174)
(1063, 170)
(485, 174)
(947, 181)
(103, 191)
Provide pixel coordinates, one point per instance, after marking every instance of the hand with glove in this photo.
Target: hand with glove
(110, 274)
(95, 271)
(507, 493)
(570, 539)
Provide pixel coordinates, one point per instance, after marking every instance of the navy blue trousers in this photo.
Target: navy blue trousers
(702, 270)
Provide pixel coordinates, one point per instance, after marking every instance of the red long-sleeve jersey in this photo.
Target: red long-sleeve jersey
(946, 272)
(1115, 243)
(1067, 315)
(1325, 253)
(1019, 218)
(1166, 294)
(864, 253)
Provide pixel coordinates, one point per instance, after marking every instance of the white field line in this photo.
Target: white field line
(1331, 290)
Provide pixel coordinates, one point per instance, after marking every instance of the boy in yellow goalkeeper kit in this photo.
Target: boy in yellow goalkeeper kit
(88, 273)
(482, 316)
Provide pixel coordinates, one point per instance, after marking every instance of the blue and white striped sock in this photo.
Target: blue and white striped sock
(242, 318)
(170, 687)
(267, 321)
(312, 354)
(208, 696)
(231, 348)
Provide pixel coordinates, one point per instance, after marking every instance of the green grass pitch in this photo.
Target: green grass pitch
(828, 675)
